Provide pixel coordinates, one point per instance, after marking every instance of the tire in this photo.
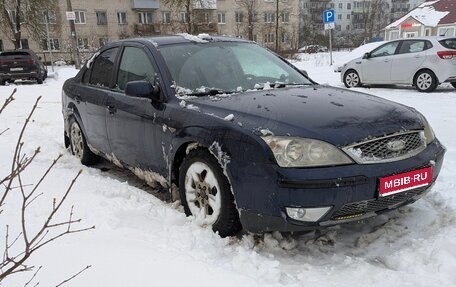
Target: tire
(39, 81)
(351, 79)
(2, 82)
(425, 81)
(78, 145)
(205, 192)
(453, 84)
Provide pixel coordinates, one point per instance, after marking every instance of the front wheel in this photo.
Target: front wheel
(351, 79)
(425, 81)
(78, 145)
(205, 193)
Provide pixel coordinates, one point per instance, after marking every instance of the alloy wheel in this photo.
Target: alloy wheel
(424, 81)
(352, 79)
(77, 143)
(202, 192)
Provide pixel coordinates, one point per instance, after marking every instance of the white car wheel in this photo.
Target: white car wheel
(351, 79)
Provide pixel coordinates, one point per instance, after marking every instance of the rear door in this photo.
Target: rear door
(91, 96)
(377, 68)
(410, 57)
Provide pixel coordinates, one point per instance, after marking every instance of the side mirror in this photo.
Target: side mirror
(143, 89)
(366, 56)
(304, 72)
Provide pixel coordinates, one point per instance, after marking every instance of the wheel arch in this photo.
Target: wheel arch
(422, 70)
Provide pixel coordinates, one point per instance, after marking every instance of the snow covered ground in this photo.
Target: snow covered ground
(140, 240)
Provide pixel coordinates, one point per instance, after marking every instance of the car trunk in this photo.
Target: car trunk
(17, 62)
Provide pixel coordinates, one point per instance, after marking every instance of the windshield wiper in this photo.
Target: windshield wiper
(283, 85)
(210, 92)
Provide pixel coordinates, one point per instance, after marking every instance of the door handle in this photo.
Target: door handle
(111, 110)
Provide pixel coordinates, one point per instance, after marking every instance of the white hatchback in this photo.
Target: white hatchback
(422, 62)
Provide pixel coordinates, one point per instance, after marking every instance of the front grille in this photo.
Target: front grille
(382, 149)
(360, 208)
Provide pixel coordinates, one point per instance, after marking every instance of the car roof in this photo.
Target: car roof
(183, 38)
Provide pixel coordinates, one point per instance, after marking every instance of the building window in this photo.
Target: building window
(166, 17)
(12, 15)
(24, 44)
(254, 37)
(269, 17)
(347, 28)
(338, 28)
(184, 17)
(446, 31)
(101, 18)
(221, 18)
(284, 37)
(410, 34)
(54, 44)
(349, 6)
(339, 17)
(341, 5)
(239, 16)
(122, 18)
(145, 17)
(83, 44)
(285, 17)
(394, 35)
(348, 16)
(80, 17)
(49, 17)
(269, 38)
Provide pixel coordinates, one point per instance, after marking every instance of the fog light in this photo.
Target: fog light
(307, 214)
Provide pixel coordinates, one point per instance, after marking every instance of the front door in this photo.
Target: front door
(377, 68)
(135, 124)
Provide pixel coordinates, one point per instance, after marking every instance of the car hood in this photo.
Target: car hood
(334, 115)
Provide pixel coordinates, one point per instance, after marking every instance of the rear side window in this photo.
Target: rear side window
(449, 43)
(103, 68)
(414, 46)
(134, 66)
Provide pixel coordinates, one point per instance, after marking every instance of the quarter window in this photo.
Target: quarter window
(103, 67)
(134, 66)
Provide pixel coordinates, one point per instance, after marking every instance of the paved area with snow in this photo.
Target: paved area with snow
(141, 240)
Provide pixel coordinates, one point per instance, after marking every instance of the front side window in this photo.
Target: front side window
(385, 50)
(226, 66)
(103, 67)
(134, 66)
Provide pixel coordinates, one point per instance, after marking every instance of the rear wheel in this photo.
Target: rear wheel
(78, 145)
(206, 193)
(425, 81)
(351, 79)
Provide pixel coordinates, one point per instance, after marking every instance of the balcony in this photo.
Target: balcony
(147, 29)
(145, 4)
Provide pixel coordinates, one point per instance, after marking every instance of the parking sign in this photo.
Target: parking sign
(329, 16)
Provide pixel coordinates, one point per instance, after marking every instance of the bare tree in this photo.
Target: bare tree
(18, 248)
(19, 15)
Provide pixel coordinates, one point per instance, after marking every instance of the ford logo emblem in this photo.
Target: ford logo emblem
(395, 145)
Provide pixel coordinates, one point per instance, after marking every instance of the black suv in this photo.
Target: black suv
(21, 64)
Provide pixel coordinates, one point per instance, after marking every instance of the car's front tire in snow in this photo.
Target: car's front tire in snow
(78, 145)
(351, 79)
(425, 81)
(206, 194)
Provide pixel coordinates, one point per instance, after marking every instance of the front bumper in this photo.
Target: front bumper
(263, 191)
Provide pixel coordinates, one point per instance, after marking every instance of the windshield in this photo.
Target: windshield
(208, 68)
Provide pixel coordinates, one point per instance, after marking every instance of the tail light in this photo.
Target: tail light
(446, 55)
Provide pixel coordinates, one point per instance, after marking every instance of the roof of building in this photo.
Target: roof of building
(431, 13)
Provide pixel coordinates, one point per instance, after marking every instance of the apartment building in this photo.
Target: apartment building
(101, 21)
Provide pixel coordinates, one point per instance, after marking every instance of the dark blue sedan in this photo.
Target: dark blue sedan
(245, 139)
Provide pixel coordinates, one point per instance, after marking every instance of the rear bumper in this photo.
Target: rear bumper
(17, 76)
(263, 192)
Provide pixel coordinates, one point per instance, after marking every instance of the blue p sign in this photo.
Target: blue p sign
(329, 16)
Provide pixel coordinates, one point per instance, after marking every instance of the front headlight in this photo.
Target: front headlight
(428, 131)
(302, 152)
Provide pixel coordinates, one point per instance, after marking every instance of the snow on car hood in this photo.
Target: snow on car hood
(335, 115)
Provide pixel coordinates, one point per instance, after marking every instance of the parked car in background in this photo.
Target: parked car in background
(422, 62)
(354, 54)
(21, 65)
(249, 140)
(313, 49)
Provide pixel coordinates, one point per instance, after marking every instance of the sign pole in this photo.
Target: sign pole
(330, 48)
